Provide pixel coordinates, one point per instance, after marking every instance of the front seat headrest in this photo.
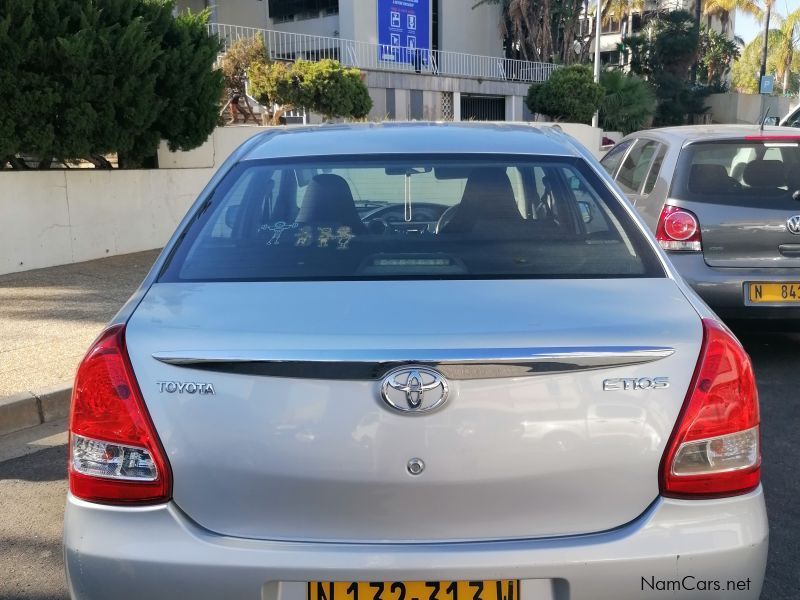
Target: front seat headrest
(710, 179)
(488, 197)
(329, 200)
(765, 174)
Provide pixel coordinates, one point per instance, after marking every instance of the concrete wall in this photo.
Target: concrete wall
(358, 20)
(59, 217)
(250, 13)
(734, 107)
(327, 26)
(474, 31)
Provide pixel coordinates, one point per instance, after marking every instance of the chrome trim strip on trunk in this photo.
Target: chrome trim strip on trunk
(464, 363)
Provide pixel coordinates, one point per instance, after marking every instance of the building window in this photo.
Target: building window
(611, 26)
(279, 10)
(610, 58)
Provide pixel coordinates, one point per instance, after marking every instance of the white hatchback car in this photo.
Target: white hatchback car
(414, 362)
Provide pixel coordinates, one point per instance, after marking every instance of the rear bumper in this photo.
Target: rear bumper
(158, 553)
(723, 289)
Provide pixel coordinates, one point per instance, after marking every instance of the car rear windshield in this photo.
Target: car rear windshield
(759, 173)
(391, 217)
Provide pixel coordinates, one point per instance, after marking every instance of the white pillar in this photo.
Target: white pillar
(456, 106)
(597, 33)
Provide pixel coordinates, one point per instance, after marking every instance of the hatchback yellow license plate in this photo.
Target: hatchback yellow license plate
(774, 293)
(502, 589)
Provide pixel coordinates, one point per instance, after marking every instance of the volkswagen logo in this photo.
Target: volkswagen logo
(793, 224)
(414, 389)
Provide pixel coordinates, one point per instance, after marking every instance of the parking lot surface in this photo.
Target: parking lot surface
(32, 489)
(48, 317)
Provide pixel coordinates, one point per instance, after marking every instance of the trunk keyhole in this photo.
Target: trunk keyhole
(416, 466)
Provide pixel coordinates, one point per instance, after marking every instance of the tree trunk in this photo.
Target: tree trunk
(698, 15)
(99, 161)
(787, 70)
(16, 163)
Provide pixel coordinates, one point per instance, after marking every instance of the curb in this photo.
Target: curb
(28, 409)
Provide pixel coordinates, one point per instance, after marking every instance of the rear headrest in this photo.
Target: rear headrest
(328, 199)
(709, 179)
(765, 174)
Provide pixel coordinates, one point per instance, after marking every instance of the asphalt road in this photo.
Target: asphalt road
(32, 490)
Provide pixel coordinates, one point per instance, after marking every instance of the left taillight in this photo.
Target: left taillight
(678, 230)
(115, 454)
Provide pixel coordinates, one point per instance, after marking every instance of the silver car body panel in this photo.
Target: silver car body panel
(561, 439)
(135, 553)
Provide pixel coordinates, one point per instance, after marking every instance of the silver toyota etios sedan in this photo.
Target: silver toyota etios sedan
(414, 362)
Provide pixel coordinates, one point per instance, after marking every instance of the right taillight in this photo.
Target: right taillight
(678, 230)
(115, 454)
(714, 449)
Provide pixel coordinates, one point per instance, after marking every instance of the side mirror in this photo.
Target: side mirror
(586, 211)
(772, 121)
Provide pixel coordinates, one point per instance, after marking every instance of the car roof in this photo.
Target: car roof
(691, 133)
(417, 137)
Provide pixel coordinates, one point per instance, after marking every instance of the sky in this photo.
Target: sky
(747, 27)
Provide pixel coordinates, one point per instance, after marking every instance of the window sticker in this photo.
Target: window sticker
(277, 230)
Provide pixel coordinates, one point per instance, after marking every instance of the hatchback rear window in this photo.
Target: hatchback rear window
(746, 172)
(418, 217)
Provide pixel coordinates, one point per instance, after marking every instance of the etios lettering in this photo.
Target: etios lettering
(641, 383)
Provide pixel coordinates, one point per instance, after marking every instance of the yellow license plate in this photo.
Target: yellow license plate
(774, 293)
(502, 589)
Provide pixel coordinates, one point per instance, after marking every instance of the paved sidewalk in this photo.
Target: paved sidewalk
(48, 317)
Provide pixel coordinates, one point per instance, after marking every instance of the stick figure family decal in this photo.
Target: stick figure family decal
(325, 237)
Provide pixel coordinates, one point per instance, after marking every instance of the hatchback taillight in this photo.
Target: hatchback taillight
(714, 449)
(678, 230)
(115, 455)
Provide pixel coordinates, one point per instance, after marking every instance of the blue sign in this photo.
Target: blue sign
(404, 31)
(767, 84)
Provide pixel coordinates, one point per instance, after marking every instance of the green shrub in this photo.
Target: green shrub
(80, 79)
(569, 95)
(628, 103)
(324, 87)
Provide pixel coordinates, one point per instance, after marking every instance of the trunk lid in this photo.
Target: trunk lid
(315, 454)
(755, 236)
(744, 193)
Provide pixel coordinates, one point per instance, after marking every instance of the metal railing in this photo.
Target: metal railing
(282, 45)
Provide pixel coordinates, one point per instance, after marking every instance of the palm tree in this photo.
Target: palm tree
(790, 36)
(622, 8)
(724, 8)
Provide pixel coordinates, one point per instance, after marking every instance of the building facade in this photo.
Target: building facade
(422, 59)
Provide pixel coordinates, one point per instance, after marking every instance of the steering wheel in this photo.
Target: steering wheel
(446, 217)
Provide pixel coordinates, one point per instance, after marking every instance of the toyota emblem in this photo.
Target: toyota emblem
(414, 389)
